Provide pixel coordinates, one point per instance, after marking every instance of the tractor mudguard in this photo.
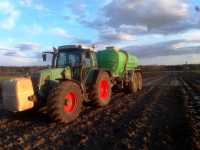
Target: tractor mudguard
(82, 87)
(92, 75)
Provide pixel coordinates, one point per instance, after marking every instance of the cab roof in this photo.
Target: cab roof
(75, 47)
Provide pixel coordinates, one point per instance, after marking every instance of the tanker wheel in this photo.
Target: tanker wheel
(101, 91)
(134, 83)
(140, 82)
(64, 102)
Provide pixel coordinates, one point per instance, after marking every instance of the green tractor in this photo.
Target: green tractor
(78, 74)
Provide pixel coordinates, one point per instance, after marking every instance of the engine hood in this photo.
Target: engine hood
(49, 76)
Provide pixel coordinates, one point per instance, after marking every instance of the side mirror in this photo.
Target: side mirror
(44, 57)
(55, 50)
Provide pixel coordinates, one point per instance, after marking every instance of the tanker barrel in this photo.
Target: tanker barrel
(116, 61)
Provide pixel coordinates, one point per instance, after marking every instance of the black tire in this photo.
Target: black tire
(133, 86)
(100, 97)
(65, 92)
(140, 82)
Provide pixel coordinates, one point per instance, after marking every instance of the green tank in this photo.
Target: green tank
(116, 61)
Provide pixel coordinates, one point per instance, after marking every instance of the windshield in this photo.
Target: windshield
(69, 58)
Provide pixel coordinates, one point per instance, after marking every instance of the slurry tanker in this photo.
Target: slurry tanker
(78, 74)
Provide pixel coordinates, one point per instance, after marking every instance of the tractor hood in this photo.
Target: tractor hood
(47, 77)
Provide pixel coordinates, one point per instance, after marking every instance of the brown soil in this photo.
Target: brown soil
(163, 116)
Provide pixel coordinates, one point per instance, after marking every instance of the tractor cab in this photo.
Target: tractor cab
(78, 59)
(75, 56)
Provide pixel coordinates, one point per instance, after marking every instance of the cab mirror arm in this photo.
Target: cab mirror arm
(44, 57)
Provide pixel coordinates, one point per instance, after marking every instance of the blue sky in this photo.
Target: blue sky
(157, 31)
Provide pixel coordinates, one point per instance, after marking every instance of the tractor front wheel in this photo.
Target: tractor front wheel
(64, 102)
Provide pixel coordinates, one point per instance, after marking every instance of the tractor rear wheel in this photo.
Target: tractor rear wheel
(101, 90)
(133, 86)
(64, 102)
(140, 82)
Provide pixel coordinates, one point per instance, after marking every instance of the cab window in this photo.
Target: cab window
(87, 60)
(71, 59)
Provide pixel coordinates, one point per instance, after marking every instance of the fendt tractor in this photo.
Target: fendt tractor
(78, 74)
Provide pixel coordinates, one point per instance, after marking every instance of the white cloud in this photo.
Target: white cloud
(147, 17)
(125, 37)
(152, 13)
(110, 35)
(171, 60)
(10, 15)
(18, 56)
(116, 37)
(132, 29)
(6, 46)
(186, 45)
(34, 29)
(173, 47)
(28, 46)
(60, 32)
(193, 35)
(40, 7)
(133, 18)
(179, 45)
(78, 8)
(26, 2)
(32, 4)
(19, 61)
(63, 34)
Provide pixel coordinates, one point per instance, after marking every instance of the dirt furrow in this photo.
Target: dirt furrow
(192, 99)
(155, 128)
(114, 129)
(153, 119)
(169, 127)
(36, 130)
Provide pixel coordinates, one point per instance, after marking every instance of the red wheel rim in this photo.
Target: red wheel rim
(70, 102)
(104, 93)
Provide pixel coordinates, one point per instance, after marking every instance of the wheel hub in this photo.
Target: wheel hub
(104, 86)
(70, 101)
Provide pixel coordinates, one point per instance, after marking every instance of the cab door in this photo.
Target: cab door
(87, 63)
